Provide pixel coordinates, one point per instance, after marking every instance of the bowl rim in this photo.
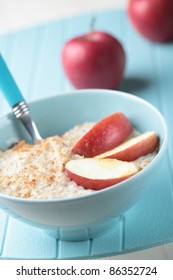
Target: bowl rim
(109, 189)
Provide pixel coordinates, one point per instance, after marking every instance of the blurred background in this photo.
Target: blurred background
(19, 13)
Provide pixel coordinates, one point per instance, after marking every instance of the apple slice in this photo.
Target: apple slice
(134, 148)
(104, 135)
(97, 174)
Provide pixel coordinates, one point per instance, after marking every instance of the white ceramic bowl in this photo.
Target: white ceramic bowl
(87, 216)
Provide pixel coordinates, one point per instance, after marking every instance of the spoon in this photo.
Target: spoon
(16, 101)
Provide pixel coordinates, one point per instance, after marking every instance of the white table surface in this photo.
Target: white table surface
(17, 14)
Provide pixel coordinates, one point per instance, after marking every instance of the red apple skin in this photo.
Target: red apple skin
(94, 60)
(95, 184)
(152, 18)
(104, 135)
(135, 151)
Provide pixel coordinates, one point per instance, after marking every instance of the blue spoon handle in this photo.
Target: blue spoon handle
(8, 85)
(15, 99)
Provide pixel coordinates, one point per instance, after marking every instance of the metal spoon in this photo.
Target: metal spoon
(16, 101)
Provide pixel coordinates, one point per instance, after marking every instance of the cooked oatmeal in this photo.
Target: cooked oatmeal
(37, 171)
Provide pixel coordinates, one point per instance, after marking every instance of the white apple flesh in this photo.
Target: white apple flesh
(134, 148)
(98, 174)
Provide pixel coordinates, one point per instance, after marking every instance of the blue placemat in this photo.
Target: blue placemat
(33, 56)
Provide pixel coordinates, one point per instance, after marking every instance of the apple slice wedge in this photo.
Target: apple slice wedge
(134, 148)
(104, 135)
(97, 174)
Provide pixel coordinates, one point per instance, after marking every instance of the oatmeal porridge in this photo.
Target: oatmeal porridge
(37, 171)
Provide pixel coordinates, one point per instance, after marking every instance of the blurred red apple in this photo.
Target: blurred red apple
(152, 18)
(94, 60)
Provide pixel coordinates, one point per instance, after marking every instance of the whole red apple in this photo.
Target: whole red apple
(152, 18)
(94, 60)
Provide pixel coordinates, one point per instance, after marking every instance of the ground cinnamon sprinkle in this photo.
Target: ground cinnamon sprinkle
(37, 171)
